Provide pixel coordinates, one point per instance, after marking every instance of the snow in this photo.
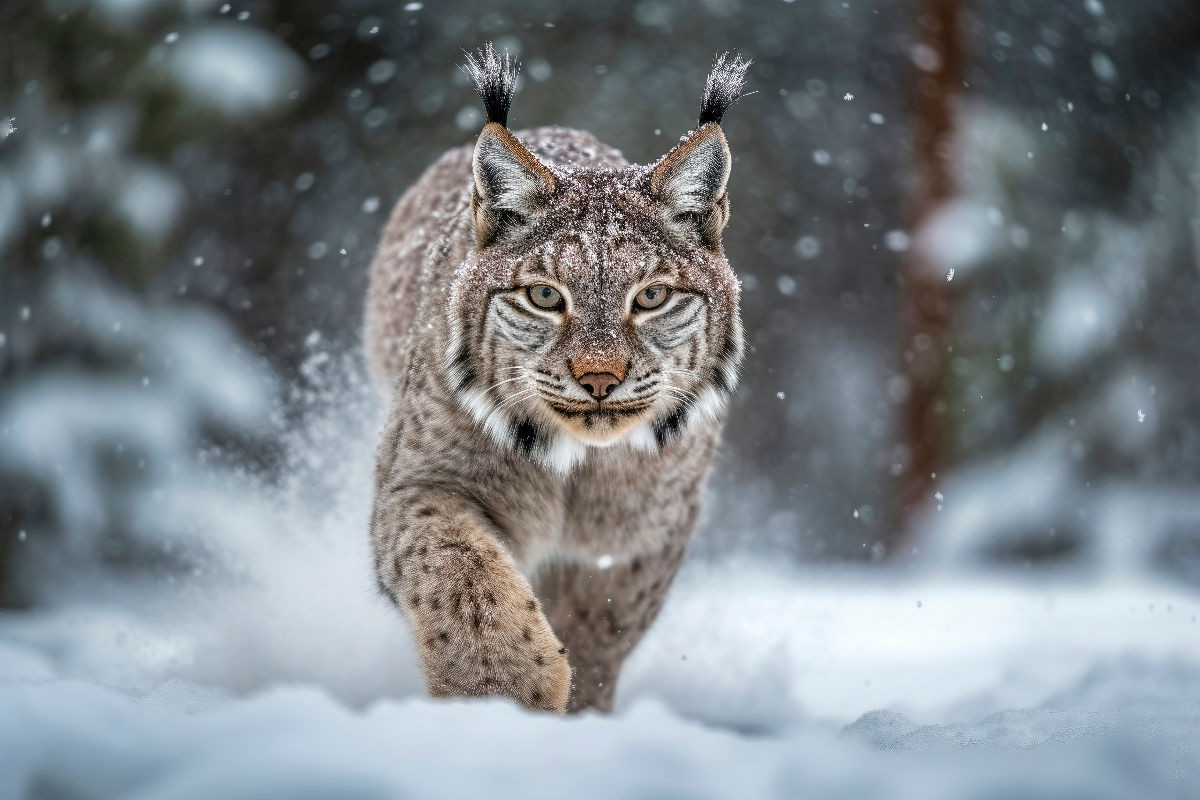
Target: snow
(236, 70)
(150, 201)
(958, 233)
(755, 683)
(1080, 320)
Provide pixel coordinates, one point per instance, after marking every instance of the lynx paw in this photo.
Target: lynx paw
(550, 688)
(505, 649)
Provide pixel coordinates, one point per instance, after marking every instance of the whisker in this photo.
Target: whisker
(688, 398)
(508, 401)
(668, 387)
(501, 383)
(687, 373)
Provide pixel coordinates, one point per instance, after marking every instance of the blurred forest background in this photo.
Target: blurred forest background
(968, 233)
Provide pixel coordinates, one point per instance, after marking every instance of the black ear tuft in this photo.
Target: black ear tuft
(723, 87)
(495, 79)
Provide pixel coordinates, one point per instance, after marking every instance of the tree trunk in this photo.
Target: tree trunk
(926, 304)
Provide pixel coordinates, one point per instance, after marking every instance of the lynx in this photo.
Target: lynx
(560, 331)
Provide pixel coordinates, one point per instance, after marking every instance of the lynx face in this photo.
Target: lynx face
(597, 306)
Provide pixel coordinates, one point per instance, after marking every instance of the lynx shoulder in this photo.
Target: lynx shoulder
(559, 330)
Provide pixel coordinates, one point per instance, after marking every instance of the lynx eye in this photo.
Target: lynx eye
(546, 296)
(651, 297)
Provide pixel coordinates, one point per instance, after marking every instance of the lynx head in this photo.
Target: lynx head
(597, 305)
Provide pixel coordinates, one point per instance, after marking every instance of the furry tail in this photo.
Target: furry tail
(495, 79)
(723, 87)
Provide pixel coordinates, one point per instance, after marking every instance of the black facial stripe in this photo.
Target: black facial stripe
(728, 348)
(719, 380)
(721, 377)
(682, 306)
(516, 324)
(528, 437)
(663, 342)
(685, 325)
(670, 425)
(461, 363)
(671, 337)
(520, 309)
(528, 336)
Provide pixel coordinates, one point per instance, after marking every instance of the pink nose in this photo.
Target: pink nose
(599, 384)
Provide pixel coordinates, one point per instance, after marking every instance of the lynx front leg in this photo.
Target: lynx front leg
(479, 629)
(602, 613)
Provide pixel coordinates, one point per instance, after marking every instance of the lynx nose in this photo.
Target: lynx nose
(599, 383)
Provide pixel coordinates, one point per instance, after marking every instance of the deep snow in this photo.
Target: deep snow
(276, 670)
(752, 684)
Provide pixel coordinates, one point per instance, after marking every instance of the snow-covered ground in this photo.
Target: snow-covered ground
(753, 684)
(275, 669)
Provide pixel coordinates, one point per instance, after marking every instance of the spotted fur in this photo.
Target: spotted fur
(517, 517)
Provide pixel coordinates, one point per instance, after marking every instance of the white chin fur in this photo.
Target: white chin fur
(564, 449)
(642, 437)
(564, 453)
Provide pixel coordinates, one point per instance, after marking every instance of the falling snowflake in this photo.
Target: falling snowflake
(950, 275)
(779, 395)
(1141, 415)
(604, 561)
(847, 97)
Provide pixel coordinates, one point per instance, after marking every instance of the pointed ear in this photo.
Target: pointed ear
(511, 186)
(691, 181)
